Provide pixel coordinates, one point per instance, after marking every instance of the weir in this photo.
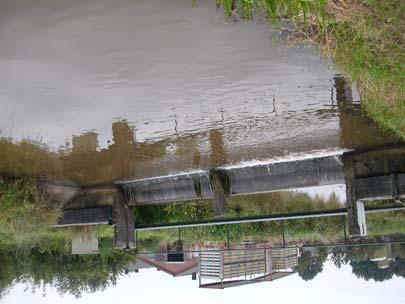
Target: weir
(170, 188)
(368, 175)
(373, 174)
(260, 178)
(285, 175)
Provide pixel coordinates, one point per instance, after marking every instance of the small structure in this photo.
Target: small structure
(382, 256)
(101, 206)
(85, 241)
(161, 262)
(171, 259)
(85, 217)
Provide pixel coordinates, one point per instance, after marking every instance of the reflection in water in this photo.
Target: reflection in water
(247, 264)
(86, 162)
(50, 263)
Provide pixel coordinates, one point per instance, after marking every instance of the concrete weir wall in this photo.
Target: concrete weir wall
(236, 180)
(370, 174)
(285, 175)
(167, 188)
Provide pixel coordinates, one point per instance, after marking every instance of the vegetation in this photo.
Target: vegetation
(27, 158)
(310, 264)
(26, 213)
(299, 10)
(52, 264)
(313, 230)
(360, 259)
(364, 38)
(392, 223)
(309, 231)
(246, 205)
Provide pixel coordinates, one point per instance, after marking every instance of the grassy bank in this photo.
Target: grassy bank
(364, 39)
(26, 213)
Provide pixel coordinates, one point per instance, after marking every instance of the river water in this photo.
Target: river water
(178, 74)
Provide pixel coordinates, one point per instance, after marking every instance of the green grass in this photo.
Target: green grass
(26, 214)
(278, 202)
(386, 223)
(367, 44)
(273, 9)
(245, 205)
(310, 231)
(364, 39)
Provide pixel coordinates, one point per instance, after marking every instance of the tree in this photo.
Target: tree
(74, 274)
(310, 264)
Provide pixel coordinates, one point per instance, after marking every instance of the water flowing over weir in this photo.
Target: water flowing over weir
(169, 188)
(267, 177)
(285, 175)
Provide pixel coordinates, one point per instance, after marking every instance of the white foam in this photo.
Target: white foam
(251, 163)
(178, 174)
(289, 158)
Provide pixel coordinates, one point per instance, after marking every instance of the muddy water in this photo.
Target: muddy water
(139, 88)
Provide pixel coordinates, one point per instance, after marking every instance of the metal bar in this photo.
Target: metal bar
(227, 238)
(265, 218)
(282, 228)
(80, 224)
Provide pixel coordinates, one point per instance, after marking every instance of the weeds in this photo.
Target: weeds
(25, 212)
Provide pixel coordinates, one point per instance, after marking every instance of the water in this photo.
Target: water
(126, 114)
(179, 75)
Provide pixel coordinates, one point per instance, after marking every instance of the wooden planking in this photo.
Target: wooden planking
(85, 216)
(380, 187)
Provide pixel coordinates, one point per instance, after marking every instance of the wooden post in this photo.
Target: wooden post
(130, 228)
(355, 210)
(124, 226)
(219, 200)
(119, 225)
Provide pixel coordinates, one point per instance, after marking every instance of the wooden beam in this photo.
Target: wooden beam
(355, 210)
(380, 187)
